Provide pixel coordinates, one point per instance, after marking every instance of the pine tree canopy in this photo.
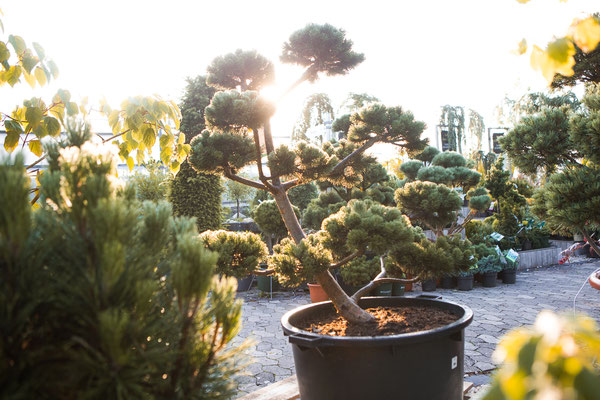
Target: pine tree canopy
(379, 123)
(432, 204)
(240, 253)
(321, 48)
(428, 154)
(268, 218)
(221, 152)
(541, 141)
(246, 69)
(232, 111)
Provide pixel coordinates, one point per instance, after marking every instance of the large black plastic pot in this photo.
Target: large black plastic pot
(489, 279)
(509, 276)
(425, 365)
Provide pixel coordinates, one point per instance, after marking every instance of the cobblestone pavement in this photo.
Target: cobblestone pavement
(496, 311)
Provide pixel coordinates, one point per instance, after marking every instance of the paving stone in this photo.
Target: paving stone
(496, 311)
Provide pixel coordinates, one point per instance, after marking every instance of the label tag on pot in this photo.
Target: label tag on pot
(497, 236)
(512, 255)
(454, 362)
(498, 251)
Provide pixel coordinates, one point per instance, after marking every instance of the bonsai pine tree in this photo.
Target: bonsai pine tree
(238, 126)
(569, 199)
(428, 197)
(103, 296)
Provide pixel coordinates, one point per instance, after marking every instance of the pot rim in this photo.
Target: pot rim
(310, 339)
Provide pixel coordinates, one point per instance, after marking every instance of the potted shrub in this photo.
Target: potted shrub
(239, 254)
(509, 270)
(238, 119)
(464, 279)
(489, 267)
(357, 273)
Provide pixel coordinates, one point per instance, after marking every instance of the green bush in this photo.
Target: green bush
(197, 195)
(239, 252)
(490, 263)
(104, 297)
(152, 185)
(360, 271)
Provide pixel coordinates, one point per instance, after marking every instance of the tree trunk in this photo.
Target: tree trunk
(238, 207)
(342, 302)
(591, 241)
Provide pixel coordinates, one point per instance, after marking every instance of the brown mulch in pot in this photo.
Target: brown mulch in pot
(389, 321)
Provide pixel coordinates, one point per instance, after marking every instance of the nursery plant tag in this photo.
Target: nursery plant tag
(512, 255)
(498, 251)
(492, 206)
(502, 260)
(496, 236)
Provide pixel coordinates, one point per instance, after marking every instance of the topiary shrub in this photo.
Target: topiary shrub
(240, 253)
(152, 185)
(197, 195)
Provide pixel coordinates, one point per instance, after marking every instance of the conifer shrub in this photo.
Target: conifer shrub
(240, 253)
(104, 296)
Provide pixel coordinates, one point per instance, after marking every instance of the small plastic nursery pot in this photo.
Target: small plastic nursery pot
(489, 279)
(447, 282)
(397, 289)
(385, 289)
(244, 284)
(464, 282)
(428, 285)
(425, 365)
(267, 284)
(509, 276)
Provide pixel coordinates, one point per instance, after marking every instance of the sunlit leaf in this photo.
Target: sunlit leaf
(28, 60)
(64, 95)
(130, 163)
(52, 126)
(30, 79)
(12, 75)
(13, 127)
(4, 52)
(18, 44)
(72, 108)
(521, 49)
(36, 147)
(587, 34)
(53, 68)
(40, 76)
(523, 1)
(11, 141)
(149, 137)
(33, 116)
(113, 118)
(558, 59)
(39, 50)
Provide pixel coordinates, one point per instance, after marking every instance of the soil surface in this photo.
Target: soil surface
(389, 321)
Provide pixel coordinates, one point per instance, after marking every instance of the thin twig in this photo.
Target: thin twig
(347, 259)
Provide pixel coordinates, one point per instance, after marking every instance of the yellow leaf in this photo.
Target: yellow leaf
(521, 49)
(181, 139)
(523, 1)
(557, 59)
(40, 76)
(29, 79)
(587, 34)
(36, 147)
(130, 163)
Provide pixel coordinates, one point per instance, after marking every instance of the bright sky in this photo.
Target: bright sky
(419, 54)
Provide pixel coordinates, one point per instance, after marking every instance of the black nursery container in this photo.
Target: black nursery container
(464, 282)
(490, 279)
(425, 365)
(509, 276)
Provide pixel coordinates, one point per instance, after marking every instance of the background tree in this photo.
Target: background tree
(238, 192)
(453, 119)
(192, 193)
(104, 296)
(302, 195)
(316, 107)
(568, 201)
(352, 103)
(476, 127)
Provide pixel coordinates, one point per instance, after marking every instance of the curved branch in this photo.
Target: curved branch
(243, 181)
(264, 272)
(290, 184)
(347, 259)
(380, 279)
(339, 168)
(304, 77)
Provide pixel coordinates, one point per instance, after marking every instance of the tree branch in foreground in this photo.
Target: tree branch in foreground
(244, 181)
(380, 279)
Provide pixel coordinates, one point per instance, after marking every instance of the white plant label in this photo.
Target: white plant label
(497, 236)
(512, 255)
(454, 362)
